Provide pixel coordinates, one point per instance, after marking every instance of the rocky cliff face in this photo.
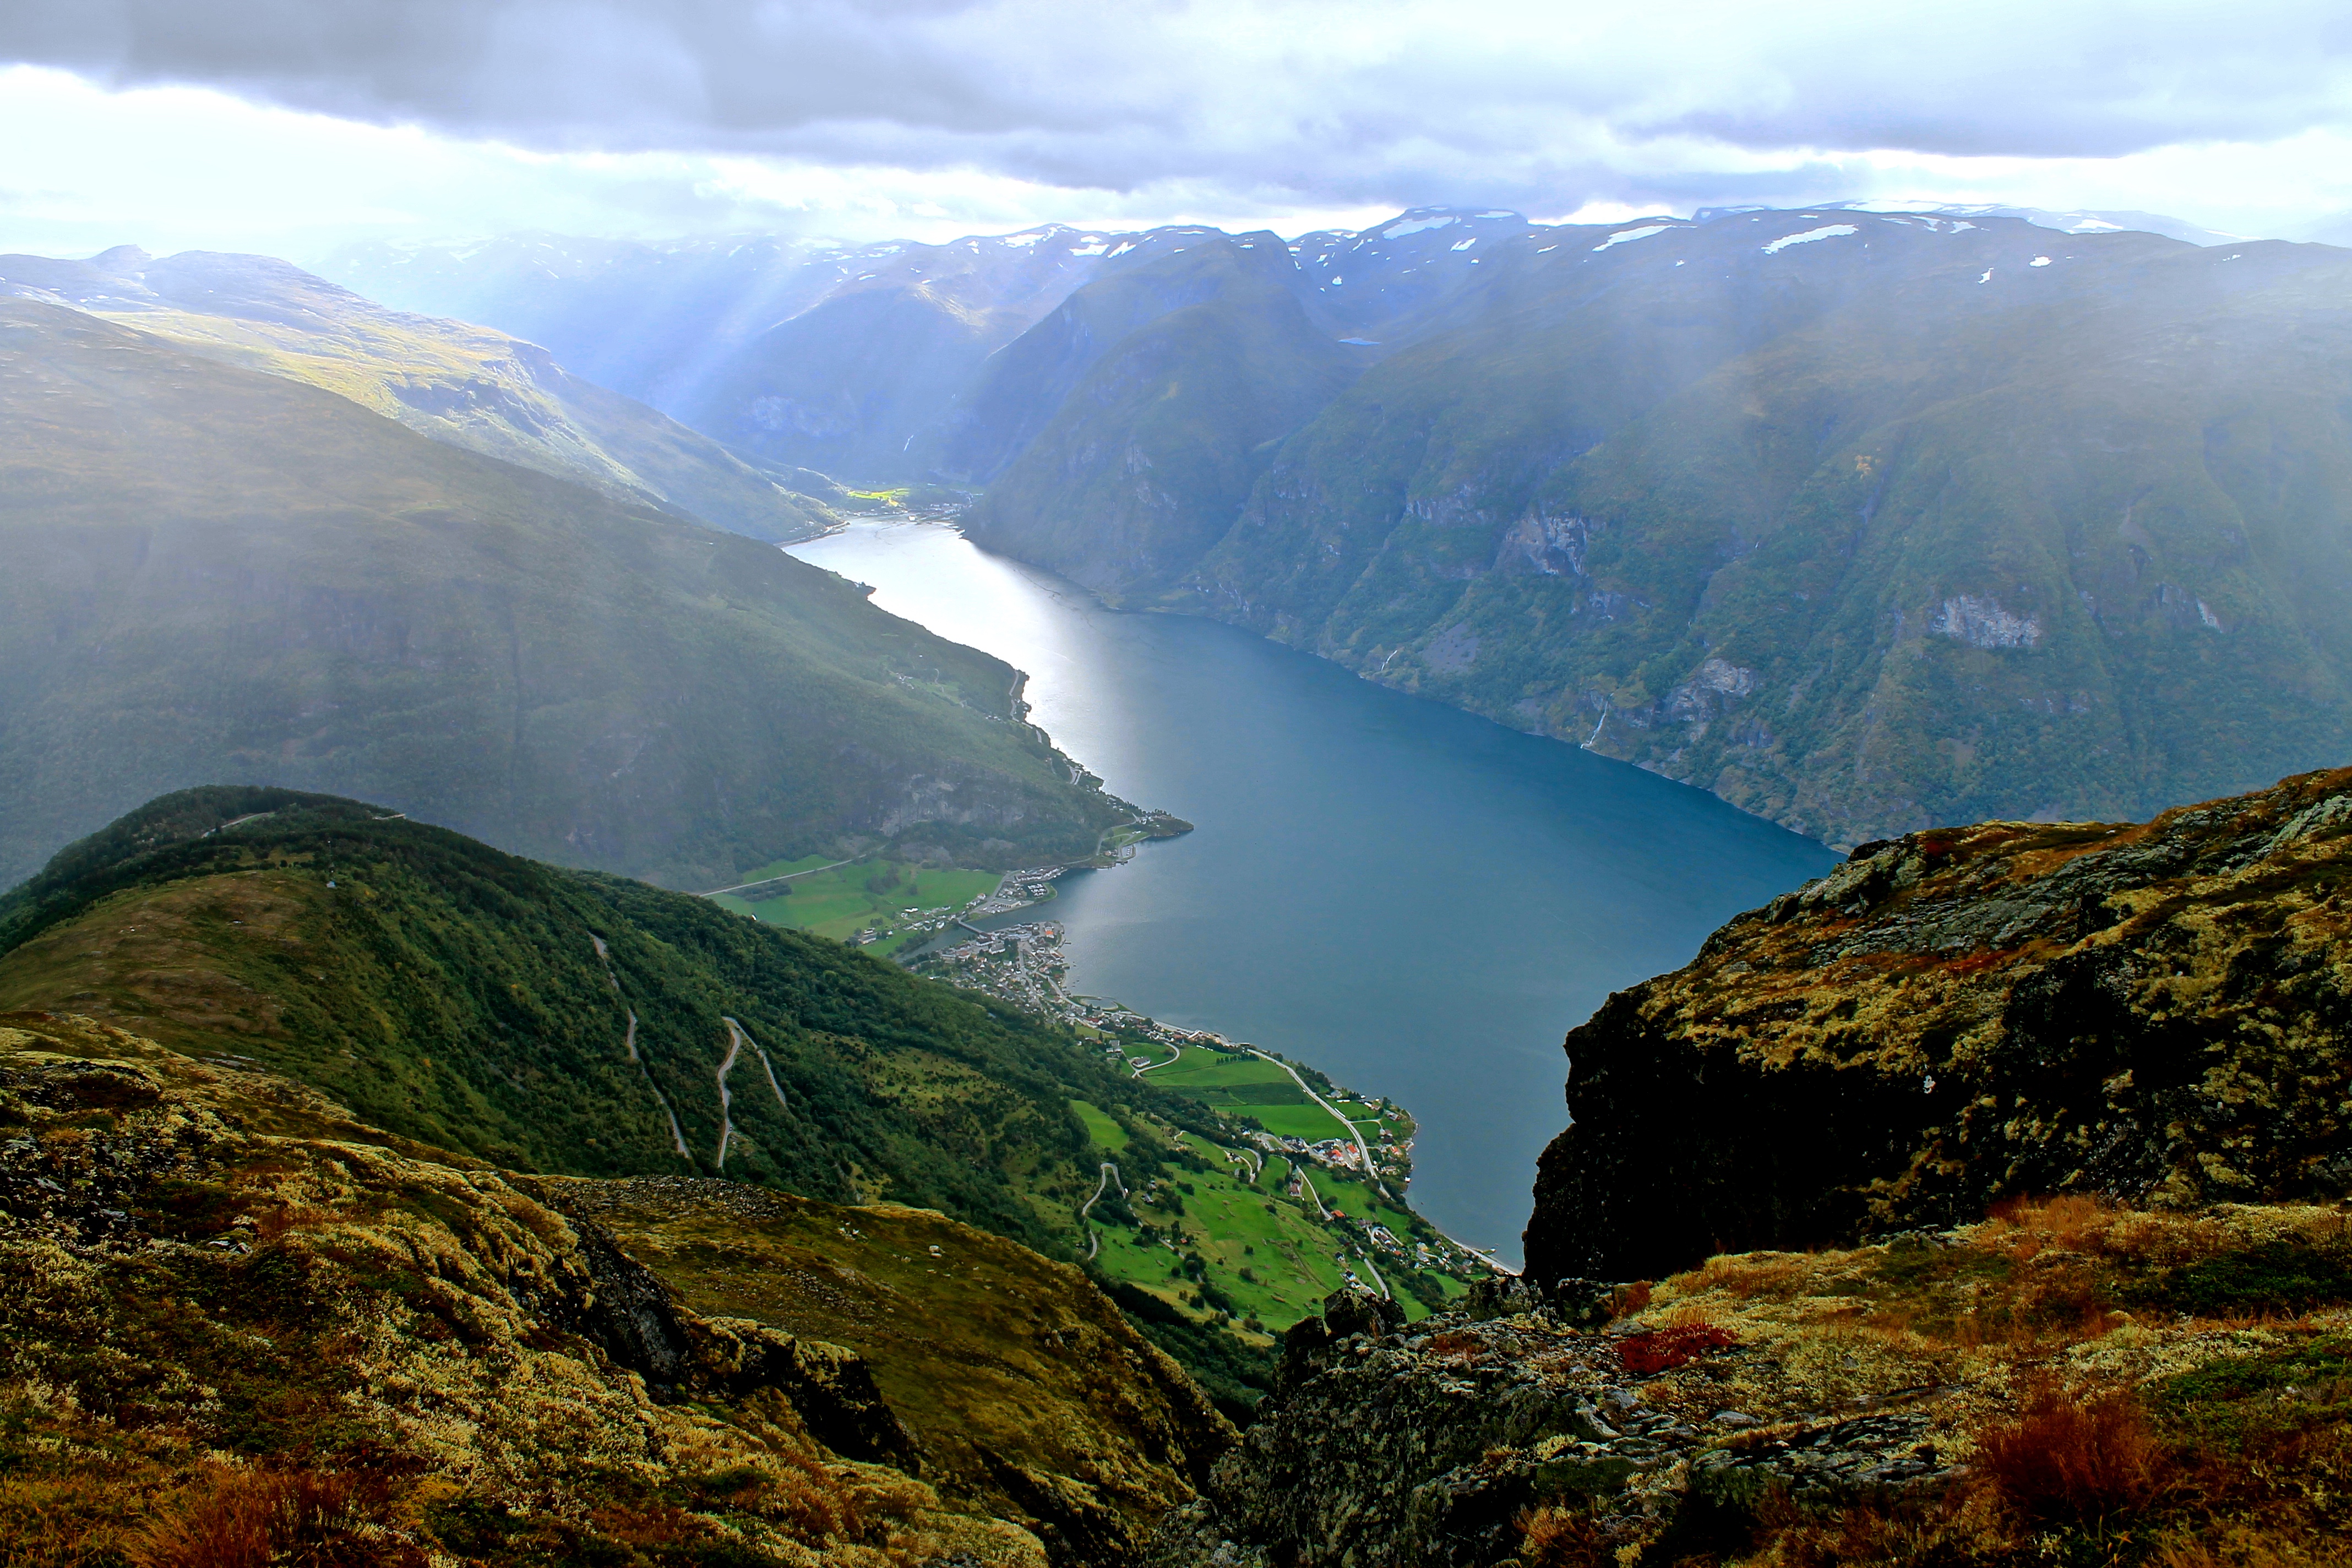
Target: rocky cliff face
(2155, 1011)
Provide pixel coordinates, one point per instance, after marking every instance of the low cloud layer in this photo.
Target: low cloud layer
(1258, 105)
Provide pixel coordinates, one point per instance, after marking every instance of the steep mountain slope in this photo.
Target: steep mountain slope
(1861, 520)
(1026, 1390)
(2150, 1013)
(244, 1326)
(1181, 377)
(463, 384)
(1018, 391)
(218, 574)
(1930, 527)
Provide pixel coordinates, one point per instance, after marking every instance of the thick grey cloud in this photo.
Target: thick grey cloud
(1372, 102)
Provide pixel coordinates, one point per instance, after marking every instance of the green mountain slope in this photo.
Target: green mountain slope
(578, 1024)
(464, 384)
(216, 574)
(1862, 521)
(1159, 428)
(458, 997)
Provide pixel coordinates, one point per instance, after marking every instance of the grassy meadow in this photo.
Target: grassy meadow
(839, 901)
(1248, 1086)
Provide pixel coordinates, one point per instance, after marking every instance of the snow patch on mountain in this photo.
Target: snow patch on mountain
(1630, 235)
(1831, 231)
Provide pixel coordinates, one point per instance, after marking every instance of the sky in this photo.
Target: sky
(296, 126)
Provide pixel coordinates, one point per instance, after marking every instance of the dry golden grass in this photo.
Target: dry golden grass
(324, 1354)
(2110, 1381)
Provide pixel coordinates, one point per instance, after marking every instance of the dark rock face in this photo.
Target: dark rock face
(2157, 1013)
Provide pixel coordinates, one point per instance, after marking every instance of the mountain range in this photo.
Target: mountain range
(1864, 521)
(795, 354)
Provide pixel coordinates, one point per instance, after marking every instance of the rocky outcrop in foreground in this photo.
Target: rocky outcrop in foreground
(2010, 1391)
(237, 1325)
(2085, 1084)
(2157, 1012)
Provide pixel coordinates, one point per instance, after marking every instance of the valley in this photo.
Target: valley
(1020, 785)
(1406, 897)
(1714, 494)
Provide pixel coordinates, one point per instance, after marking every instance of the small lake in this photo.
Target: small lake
(1416, 901)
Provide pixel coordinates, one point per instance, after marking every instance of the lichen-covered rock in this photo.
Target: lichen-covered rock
(2158, 1012)
(1917, 1404)
(229, 1312)
(1432, 1445)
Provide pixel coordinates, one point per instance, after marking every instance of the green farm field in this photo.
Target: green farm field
(1107, 1133)
(1232, 1226)
(1264, 1253)
(843, 900)
(1248, 1086)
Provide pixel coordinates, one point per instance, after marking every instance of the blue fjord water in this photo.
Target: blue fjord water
(1418, 902)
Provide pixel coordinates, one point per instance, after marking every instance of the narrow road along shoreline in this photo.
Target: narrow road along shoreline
(770, 881)
(1372, 1171)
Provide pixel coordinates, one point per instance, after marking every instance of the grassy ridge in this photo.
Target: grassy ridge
(220, 574)
(458, 995)
(455, 994)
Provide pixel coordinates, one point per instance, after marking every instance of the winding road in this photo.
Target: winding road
(629, 1043)
(1094, 1237)
(737, 1038)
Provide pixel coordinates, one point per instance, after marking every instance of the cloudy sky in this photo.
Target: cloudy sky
(295, 125)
